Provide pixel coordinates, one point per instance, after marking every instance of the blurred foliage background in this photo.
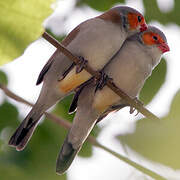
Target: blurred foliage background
(22, 25)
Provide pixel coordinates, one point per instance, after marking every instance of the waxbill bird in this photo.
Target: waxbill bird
(95, 40)
(129, 69)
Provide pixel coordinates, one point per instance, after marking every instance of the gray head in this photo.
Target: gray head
(128, 18)
(154, 38)
(153, 41)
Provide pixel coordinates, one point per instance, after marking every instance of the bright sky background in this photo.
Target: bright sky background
(23, 73)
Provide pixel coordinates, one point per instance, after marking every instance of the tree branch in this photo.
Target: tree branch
(90, 139)
(110, 84)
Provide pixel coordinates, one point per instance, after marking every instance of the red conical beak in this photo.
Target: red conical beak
(143, 27)
(164, 47)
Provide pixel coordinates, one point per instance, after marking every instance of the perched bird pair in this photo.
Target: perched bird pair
(117, 43)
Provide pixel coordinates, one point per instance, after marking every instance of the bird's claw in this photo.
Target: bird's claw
(81, 65)
(102, 80)
(132, 109)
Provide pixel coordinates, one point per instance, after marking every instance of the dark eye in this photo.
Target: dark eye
(139, 18)
(155, 38)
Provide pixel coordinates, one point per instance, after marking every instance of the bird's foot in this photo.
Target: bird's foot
(66, 72)
(81, 65)
(132, 109)
(102, 80)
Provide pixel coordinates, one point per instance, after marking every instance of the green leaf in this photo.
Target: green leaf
(8, 115)
(38, 159)
(158, 141)
(154, 82)
(152, 12)
(21, 23)
(62, 108)
(100, 5)
(8, 119)
(3, 78)
(10, 172)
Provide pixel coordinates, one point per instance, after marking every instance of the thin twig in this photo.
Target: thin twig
(131, 163)
(110, 84)
(90, 139)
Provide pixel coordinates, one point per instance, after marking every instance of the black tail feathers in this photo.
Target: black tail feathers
(66, 156)
(23, 133)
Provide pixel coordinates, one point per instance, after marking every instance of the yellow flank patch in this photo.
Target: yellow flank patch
(72, 80)
(105, 98)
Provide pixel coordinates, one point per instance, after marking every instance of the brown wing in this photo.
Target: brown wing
(73, 105)
(65, 42)
(45, 69)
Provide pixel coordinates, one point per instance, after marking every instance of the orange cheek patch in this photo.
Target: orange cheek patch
(148, 38)
(133, 20)
(72, 80)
